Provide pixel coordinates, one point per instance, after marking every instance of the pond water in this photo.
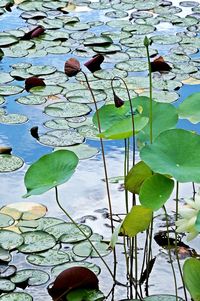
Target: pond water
(85, 194)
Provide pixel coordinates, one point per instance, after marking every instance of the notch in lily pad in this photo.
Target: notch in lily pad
(50, 171)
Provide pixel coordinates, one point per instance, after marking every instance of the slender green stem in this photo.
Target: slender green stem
(194, 190)
(126, 257)
(150, 97)
(78, 227)
(125, 173)
(149, 257)
(170, 255)
(176, 240)
(132, 112)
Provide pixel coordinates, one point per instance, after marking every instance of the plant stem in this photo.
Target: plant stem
(78, 227)
(176, 239)
(194, 190)
(170, 255)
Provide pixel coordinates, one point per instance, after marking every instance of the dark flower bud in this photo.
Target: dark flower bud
(118, 101)
(72, 67)
(94, 64)
(34, 132)
(34, 33)
(33, 81)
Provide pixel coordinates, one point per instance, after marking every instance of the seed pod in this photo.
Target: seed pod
(70, 279)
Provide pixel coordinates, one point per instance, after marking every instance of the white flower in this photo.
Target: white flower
(188, 215)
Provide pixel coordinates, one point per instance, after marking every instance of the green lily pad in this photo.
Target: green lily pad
(67, 109)
(2, 100)
(155, 191)
(162, 96)
(83, 151)
(10, 240)
(85, 294)
(117, 14)
(98, 41)
(18, 296)
(22, 65)
(57, 77)
(19, 74)
(60, 138)
(165, 155)
(32, 277)
(24, 210)
(136, 221)
(6, 285)
(6, 220)
(84, 96)
(13, 119)
(32, 14)
(166, 39)
(108, 74)
(181, 68)
(57, 124)
(190, 108)
(36, 241)
(7, 39)
(41, 70)
(58, 50)
(84, 249)
(191, 275)
(46, 90)
(6, 90)
(10, 163)
(162, 297)
(69, 233)
(31, 100)
(5, 78)
(107, 49)
(140, 52)
(48, 258)
(88, 131)
(55, 169)
(139, 29)
(60, 268)
(133, 66)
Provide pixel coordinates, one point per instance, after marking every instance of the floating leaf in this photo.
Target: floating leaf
(6, 39)
(83, 151)
(190, 108)
(6, 220)
(88, 295)
(24, 210)
(60, 138)
(36, 241)
(13, 119)
(67, 109)
(54, 169)
(58, 269)
(29, 277)
(5, 256)
(68, 232)
(18, 296)
(57, 124)
(163, 298)
(10, 163)
(136, 176)
(84, 249)
(49, 258)
(155, 191)
(10, 240)
(6, 90)
(31, 100)
(136, 221)
(47, 90)
(165, 155)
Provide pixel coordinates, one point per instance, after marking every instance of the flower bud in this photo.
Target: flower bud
(72, 67)
(147, 42)
(118, 101)
(94, 64)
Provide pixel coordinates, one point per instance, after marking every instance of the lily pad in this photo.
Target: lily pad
(84, 96)
(24, 210)
(58, 269)
(57, 124)
(10, 163)
(30, 277)
(6, 220)
(10, 240)
(55, 169)
(5, 78)
(36, 241)
(60, 138)
(165, 39)
(162, 297)
(41, 70)
(133, 66)
(108, 74)
(6, 285)
(48, 258)
(47, 90)
(190, 108)
(6, 90)
(19, 74)
(67, 109)
(31, 100)
(165, 155)
(18, 296)
(69, 233)
(13, 119)
(7, 39)
(162, 96)
(98, 41)
(84, 249)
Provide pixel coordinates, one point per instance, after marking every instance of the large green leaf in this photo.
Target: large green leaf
(155, 191)
(175, 152)
(85, 294)
(124, 128)
(190, 108)
(137, 220)
(136, 176)
(49, 171)
(191, 275)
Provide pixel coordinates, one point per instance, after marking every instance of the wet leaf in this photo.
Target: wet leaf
(49, 258)
(61, 138)
(67, 109)
(10, 240)
(10, 163)
(191, 275)
(17, 296)
(29, 277)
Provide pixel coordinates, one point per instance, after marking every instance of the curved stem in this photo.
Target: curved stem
(150, 97)
(78, 227)
(170, 255)
(176, 239)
